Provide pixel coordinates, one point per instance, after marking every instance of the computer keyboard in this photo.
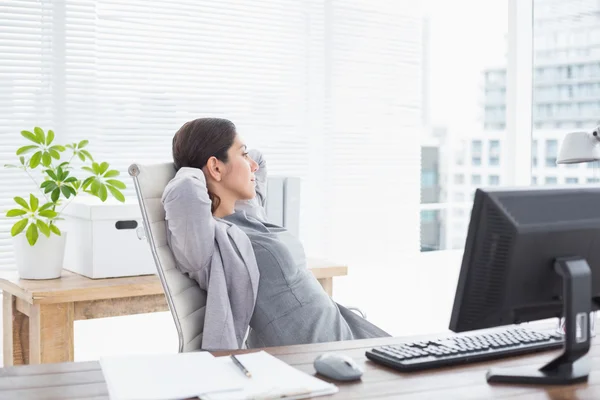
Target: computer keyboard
(464, 348)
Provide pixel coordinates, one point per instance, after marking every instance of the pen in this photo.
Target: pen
(240, 366)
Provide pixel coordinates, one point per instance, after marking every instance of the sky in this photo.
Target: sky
(466, 36)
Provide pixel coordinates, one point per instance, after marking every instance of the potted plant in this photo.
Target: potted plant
(38, 241)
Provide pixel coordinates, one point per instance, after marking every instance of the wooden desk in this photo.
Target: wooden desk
(84, 380)
(40, 314)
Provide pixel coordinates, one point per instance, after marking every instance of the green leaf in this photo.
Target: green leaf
(60, 174)
(88, 182)
(39, 134)
(51, 174)
(18, 227)
(81, 156)
(46, 206)
(116, 183)
(50, 187)
(95, 186)
(30, 136)
(55, 229)
(82, 144)
(22, 160)
(34, 202)
(46, 159)
(72, 190)
(116, 194)
(46, 183)
(55, 195)
(15, 212)
(48, 214)
(88, 169)
(11, 166)
(32, 234)
(87, 154)
(35, 160)
(112, 173)
(21, 201)
(103, 168)
(65, 191)
(45, 229)
(54, 154)
(96, 168)
(102, 193)
(49, 138)
(58, 147)
(25, 149)
(70, 179)
(64, 164)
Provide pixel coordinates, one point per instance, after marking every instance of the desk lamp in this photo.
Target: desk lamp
(580, 147)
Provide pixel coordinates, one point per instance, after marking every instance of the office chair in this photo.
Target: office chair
(187, 302)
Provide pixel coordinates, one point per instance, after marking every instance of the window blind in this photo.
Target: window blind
(25, 97)
(328, 90)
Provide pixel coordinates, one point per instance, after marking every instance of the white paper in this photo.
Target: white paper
(166, 376)
(271, 378)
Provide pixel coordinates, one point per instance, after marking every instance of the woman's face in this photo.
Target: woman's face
(238, 175)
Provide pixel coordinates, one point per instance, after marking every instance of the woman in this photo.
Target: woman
(229, 194)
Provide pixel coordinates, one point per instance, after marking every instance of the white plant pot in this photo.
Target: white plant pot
(44, 260)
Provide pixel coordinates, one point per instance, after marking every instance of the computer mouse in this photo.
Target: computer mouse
(338, 367)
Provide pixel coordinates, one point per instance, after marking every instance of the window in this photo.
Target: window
(476, 161)
(476, 179)
(428, 178)
(534, 153)
(593, 180)
(476, 147)
(551, 153)
(494, 180)
(131, 73)
(567, 56)
(534, 180)
(459, 179)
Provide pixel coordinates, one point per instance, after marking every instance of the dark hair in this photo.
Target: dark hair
(198, 140)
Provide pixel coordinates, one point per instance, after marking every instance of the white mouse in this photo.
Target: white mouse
(338, 367)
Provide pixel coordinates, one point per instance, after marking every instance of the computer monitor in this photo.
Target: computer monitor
(531, 254)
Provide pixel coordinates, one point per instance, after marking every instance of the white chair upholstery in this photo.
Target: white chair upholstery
(187, 302)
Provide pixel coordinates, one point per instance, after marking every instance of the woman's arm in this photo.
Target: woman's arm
(190, 222)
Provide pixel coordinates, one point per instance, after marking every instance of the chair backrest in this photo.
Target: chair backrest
(187, 302)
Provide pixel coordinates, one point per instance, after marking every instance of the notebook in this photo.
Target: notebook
(271, 379)
(201, 375)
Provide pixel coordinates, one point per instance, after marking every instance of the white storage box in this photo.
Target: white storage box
(106, 240)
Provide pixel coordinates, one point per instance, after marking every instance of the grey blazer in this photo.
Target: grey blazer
(215, 253)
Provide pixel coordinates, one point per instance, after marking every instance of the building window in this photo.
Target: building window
(571, 181)
(476, 179)
(459, 179)
(428, 216)
(494, 180)
(534, 180)
(428, 178)
(459, 196)
(534, 152)
(551, 153)
(476, 161)
(476, 147)
(494, 161)
(550, 180)
(593, 180)
(572, 166)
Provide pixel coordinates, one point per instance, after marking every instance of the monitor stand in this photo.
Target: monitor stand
(571, 366)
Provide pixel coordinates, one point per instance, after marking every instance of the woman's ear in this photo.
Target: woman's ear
(213, 169)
